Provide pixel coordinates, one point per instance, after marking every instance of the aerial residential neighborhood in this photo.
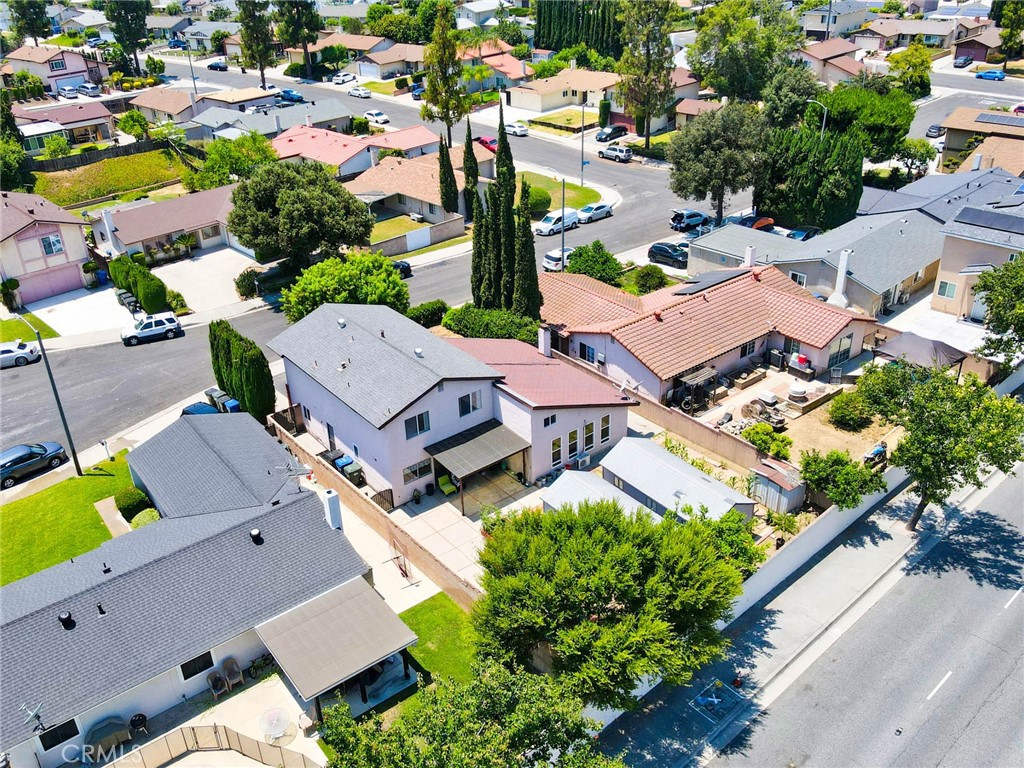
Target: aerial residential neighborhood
(511, 383)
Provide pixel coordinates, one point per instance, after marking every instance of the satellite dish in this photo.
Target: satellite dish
(33, 714)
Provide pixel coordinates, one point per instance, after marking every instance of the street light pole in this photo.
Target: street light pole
(56, 395)
(824, 117)
(562, 252)
(583, 123)
(191, 71)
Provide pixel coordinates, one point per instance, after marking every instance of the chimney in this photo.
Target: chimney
(277, 124)
(108, 224)
(256, 536)
(192, 100)
(332, 509)
(544, 341)
(749, 256)
(309, 120)
(976, 165)
(838, 297)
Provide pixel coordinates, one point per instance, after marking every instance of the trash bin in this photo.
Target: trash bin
(215, 396)
(102, 277)
(232, 406)
(430, 489)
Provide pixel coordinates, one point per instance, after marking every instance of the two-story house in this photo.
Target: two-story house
(92, 21)
(42, 246)
(834, 19)
(478, 12)
(58, 67)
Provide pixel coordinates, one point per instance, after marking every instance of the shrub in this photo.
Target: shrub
(995, 58)
(295, 69)
(766, 440)
(402, 82)
(650, 277)
(245, 283)
(604, 112)
(475, 323)
(596, 261)
(151, 292)
(428, 314)
(521, 51)
(850, 411)
(131, 501)
(417, 77)
(177, 302)
(88, 148)
(145, 517)
(540, 200)
(360, 126)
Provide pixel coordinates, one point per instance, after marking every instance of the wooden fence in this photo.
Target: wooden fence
(88, 158)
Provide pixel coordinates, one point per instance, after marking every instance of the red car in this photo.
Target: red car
(488, 141)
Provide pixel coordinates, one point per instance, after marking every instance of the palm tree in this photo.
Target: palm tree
(479, 74)
(186, 242)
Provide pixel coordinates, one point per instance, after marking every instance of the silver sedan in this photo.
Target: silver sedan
(18, 353)
(594, 212)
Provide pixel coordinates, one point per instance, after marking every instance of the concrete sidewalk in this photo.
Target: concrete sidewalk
(682, 726)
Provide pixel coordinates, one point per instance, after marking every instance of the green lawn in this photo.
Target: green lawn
(393, 227)
(438, 246)
(447, 639)
(575, 195)
(15, 329)
(384, 89)
(108, 177)
(59, 522)
(569, 118)
(155, 194)
(66, 41)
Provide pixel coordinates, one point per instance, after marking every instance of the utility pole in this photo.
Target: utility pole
(824, 117)
(188, 52)
(583, 123)
(828, 21)
(56, 395)
(562, 252)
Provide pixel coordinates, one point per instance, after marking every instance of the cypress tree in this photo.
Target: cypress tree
(471, 171)
(449, 187)
(504, 217)
(493, 261)
(220, 352)
(255, 382)
(526, 298)
(478, 264)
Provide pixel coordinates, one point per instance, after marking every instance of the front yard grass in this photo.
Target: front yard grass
(66, 41)
(384, 89)
(568, 118)
(13, 329)
(108, 177)
(59, 522)
(575, 195)
(438, 246)
(447, 639)
(393, 227)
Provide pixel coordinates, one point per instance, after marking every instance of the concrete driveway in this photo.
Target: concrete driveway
(207, 279)
(81, 311)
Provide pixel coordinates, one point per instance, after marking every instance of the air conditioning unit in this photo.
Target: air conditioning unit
(417, 217)
(583, 461)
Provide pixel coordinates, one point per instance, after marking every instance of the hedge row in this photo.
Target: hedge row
(130, 501)
(475, 323)
(428, 314)
(149, 289)
(25, 92)
(241, 369)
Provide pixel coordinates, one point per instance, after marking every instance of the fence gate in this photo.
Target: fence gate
(398, 555)
(384, 499)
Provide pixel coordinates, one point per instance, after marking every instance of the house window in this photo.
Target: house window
(355, 449)
(587, 353)
(549, 420)
(747, 349)
(197, 666)
(919, 276)
(58, 65)
(588, 436)
(839, 350)
(617, 482)
(574, 444)
(401, 199)
(52, 244)
(213, 231)
(57, 735)
(417, 425)
(305, 413)
(947, 290)
(575, 93)
(1012, 257)
(564, 94)
(606, 428)
(416, 471)
(556, 452)
(799, 278)
(469, 403)
(789, 346)
(432, 208)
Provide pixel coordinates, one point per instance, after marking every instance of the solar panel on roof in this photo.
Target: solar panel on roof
(1020, 190)
(991, 220)
(708, 280)
(1001, 118)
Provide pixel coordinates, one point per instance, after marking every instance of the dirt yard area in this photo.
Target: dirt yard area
(813, 430)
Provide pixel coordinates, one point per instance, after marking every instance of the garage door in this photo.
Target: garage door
(368, 69)
(42, 285)
(74, 82)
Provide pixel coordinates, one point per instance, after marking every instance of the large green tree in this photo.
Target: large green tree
(1011, 36)
(134, 123)
(361, 278)
(717, 154)
(786, 95)
(740, 43)
(241, 369)
(444, 98)
(29, 19)
(526, 298)
(230, 160)
(297, 25)
(1003, 292)
(500, 719)
(844, 481)
(12, 156)
(881, 121)
(954, 433)
(297, 212)
(471, 174)
(478, 260)
(504, 214)
(257, 36)
(446, 180)
(611, 598)
(912, 69)
(646, 64)
(8, 125)
(128, 18)
(596, 261)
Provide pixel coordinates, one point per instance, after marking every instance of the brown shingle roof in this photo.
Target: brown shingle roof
(418, 179)
(687, 331)
(399, 52)
(238, 95)
(172, 101)
(352, 42)
(695, 107)
(966, 119)
(573, 79)
(19, 209)
(846, 64)
(893, 27)
(189, 213)
(37, 54)
(66, 114)
(682, 76)
(999, 151)
(829, 49)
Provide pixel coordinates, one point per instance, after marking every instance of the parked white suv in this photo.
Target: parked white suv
(558, 259)
(163, 325)
(619, 154)
(553, 222)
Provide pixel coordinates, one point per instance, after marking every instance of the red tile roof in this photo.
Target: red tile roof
(670, 333)
(319, 144)
(538, 381)
(509, 66)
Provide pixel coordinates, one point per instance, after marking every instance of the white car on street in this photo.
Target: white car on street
(359, 92)
(376, 116)
(343, 77)
(18, 353)
(269, 88)
(517, 129)
(163, 325)
(594, 212)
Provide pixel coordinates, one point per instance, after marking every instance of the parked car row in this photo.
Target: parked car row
(72, 91)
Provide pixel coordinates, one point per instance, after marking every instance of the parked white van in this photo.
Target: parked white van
(553, 222)
(558, 259)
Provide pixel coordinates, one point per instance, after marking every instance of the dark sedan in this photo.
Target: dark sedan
(804, 233)
(23, 460)
(671, 254)
(218, 66)
(610, 132)
(404, 269)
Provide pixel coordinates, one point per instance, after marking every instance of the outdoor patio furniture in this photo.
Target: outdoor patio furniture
(216, 683)
(446, 485)
(138, 723)
(233, 673)
(107, 734)
(306, 724)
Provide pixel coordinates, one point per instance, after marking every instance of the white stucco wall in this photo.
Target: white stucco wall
(619, 364)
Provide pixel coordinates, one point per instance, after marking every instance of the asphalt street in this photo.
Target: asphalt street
(935, 111)
(931, 675)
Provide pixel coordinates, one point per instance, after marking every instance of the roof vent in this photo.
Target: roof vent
(106, 568)
(256, 536)
(100, 609)
(418, 351)
(657, 315)
(65, 620)
(382, 333)
(341, 322)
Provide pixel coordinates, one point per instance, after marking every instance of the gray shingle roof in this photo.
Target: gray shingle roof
(176, 589)
(733, 239)
(222, 117)
(573, 487)
(221, 461)
(999, 225)
(379, 363)
(669, 480)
